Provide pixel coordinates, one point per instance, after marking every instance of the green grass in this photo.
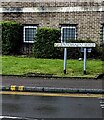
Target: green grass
(12, 65)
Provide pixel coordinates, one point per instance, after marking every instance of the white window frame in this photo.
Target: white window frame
(24, 38)
(103, 35)
(67, 27)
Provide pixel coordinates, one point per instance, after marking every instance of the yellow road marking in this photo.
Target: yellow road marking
(13, 87)
(20, 88)
(53, 94)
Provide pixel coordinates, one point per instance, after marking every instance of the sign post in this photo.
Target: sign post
(84, 60)
(65, 59)
(82, 45)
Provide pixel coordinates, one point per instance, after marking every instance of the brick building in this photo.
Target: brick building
(77, 19)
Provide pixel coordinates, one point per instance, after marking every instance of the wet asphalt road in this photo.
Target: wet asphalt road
(50, 107)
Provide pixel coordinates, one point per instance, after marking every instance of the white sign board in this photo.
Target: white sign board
(82, 45)
(65, 45)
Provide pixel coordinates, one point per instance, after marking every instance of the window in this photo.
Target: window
(68, 33)
(103, 35)
(29, 34)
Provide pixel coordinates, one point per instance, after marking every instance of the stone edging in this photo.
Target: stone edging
(52, 76)
(51, 89)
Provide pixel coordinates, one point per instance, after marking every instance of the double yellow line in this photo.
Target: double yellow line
(52, 94)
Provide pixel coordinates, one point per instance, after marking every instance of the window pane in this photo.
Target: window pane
(68, 33)
(30, 34)
(103, 34)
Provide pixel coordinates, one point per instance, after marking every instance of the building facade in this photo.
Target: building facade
(77, 19)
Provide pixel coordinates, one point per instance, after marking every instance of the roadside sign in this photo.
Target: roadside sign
(86, 47)
(65, 45)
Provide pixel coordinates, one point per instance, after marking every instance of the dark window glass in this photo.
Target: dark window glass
(68, 33)
(103, 34)
(30, 33)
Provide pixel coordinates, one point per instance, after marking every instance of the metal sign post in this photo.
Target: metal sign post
(65, 59)
(84, 60)
(82, 45)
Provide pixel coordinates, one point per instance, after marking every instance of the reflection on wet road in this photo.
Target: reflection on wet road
(50, 107)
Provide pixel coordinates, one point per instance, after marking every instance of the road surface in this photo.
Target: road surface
(51, 107)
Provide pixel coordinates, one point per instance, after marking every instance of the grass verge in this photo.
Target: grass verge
(18, 65)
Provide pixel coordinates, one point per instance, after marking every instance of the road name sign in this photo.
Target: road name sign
(81, 45)
(65, 45)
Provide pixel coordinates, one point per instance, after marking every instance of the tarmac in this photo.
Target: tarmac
(52, 85)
